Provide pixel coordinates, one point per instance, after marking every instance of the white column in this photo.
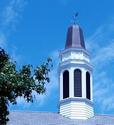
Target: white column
(91, 85)
(83, 83)
(61, 85)
(71, 82)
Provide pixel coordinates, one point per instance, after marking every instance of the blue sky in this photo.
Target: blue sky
(33, 30)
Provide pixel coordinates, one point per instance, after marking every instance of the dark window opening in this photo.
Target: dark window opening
(88, 89)
(77, 83)
(65, 84)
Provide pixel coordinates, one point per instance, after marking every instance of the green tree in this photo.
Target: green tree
(19, 82)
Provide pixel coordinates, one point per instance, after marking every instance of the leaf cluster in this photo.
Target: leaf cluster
(21, 82)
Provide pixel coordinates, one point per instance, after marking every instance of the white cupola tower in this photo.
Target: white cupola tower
(75, 77)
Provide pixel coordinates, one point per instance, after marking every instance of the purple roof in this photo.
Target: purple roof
(49, 118)
(75, 37)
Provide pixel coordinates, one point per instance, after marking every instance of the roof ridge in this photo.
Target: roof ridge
(26, 111)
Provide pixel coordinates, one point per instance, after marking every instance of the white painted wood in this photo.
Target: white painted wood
(61, 86)
(83, 83)
(71, 88)
(76, 110)
(71, 60)
(91, 81)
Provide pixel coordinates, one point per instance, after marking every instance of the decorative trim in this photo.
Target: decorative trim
(68, 65)
(76, 60)
(67, 100)
(74, 49)
(72, 61)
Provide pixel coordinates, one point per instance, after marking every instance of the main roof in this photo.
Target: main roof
(75, 37)
(49, 118)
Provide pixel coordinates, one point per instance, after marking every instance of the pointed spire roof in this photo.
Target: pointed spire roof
(75, 37)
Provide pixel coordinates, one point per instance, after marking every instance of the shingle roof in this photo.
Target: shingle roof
(49, 118)
(75, 37)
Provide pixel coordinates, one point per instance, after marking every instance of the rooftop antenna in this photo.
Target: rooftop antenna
(75, 17)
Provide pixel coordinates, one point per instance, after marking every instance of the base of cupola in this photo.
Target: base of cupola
(76, 108)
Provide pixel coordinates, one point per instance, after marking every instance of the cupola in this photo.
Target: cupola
(75, 77)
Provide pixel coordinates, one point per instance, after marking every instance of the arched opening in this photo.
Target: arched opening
(77, 83)
(88, 88)
(66, 84)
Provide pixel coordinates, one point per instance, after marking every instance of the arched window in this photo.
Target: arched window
(77, 83)
(88, 88)
(65, 84)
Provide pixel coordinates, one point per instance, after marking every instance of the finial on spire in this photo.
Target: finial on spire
(74, 17)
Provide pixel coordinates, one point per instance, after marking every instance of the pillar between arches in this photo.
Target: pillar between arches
(83, 83)
(71, 82)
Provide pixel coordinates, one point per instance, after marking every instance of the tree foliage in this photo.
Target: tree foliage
(19, 82)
